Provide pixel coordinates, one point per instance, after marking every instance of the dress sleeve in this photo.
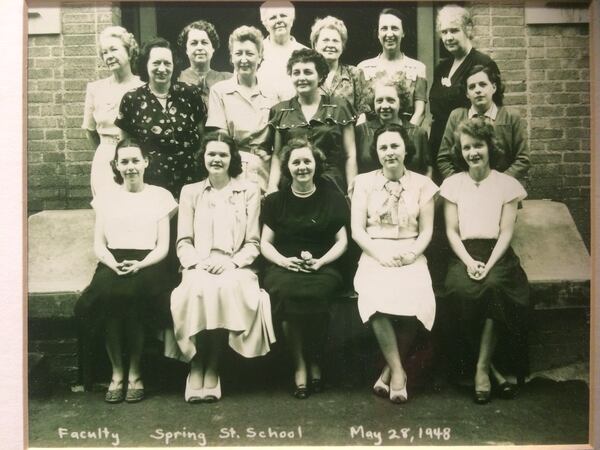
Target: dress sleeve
(444, 160)
(127, 108)
(428, 190)
(448, 189)
(420, 89)
(250, 249)
(268, 213)
(521, 163)
(344, 111)
(166, 204)
(512, 190)
(216, 111)
(185, 229)
(340, 213)
(89, 123)
(359, 189)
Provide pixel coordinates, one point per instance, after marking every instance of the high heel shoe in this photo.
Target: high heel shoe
(192, 395)
(300, 392)
(212, 395)
(505, 390)
(398, 396)
(381, 389)
(316, 386)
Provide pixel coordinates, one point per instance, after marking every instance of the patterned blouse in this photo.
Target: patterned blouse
(349, 82)
(171, 134)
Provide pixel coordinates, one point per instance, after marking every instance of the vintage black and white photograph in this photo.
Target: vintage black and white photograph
(308, 223)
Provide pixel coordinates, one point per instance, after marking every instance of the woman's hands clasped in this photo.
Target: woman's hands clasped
(477, 270)
(393, 260)
(306, 263)
(126, 267)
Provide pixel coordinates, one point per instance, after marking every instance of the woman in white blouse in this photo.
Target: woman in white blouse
(485, 282)
(118, 50)
(392, 222)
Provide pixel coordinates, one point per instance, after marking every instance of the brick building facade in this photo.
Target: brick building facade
(546, 69)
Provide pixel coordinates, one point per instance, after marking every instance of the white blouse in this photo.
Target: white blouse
(130, 219)
(480, 204)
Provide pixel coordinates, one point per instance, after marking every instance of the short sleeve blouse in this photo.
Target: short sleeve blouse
(102, 100)
(480, 204)
(130, 219)
(324, 130)
(307, 223)
(393, 207)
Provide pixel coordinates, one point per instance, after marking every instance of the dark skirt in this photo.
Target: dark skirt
(143, 296)
(503, 295)
(297, 293)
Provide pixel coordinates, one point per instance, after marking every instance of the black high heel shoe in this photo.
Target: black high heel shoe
(505, 390)
(301, 392)
(316, 386)
(482, 397)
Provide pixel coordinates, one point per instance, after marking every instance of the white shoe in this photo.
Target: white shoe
(192, 395)
(381, 389)
(398, 396)
(210, 395)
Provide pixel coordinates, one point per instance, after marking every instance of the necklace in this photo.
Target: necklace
(305, 193)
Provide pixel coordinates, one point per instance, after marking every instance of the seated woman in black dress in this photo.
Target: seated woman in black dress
(304, 233)
(485, 281)
(128, 290)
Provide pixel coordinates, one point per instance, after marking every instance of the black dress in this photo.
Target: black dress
(444, 99)
(303, 224)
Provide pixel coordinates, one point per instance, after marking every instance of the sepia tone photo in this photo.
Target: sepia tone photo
(308, 223)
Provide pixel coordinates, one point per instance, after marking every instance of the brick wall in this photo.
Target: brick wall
(545, 68)
(546, 71)
(59, 155)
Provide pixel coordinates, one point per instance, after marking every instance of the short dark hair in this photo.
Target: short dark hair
(392, 12)
(494, 77)
(477, 128)
(294, 144)
(142, 65)
(235, 165)
(306, 55)
(201, 25)
(409, 147)
(125, 143)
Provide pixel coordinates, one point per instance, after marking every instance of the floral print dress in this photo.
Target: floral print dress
(171, 134)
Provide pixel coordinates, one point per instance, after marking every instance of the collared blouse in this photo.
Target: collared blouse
(224, 220)
(325, 129)
(171, 134)
(393, 207)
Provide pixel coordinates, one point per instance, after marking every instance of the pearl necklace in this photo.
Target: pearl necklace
(304, 194)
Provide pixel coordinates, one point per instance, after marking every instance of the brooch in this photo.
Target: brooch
(446, 82)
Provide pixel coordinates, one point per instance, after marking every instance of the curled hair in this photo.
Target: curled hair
(125, 143)
(409, 147)
(477, 128)
(455, 12)
(308, 55)
(235, 164)
(398, 82)
(156, 42)
(280, 4)
(294, 144)
(494, 77)
(128, 40)
(331, 23)
(246, 33)
(201, 25)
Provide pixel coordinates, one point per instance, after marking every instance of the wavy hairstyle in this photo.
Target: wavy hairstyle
(494, 77)
(307, 55)
(398, 82)
(331, 23)
(409, 147)
(127, 38)
(455, 12)
(142, 64)
(235, 164)
(477, 128)
(294, 144)
(247, 33)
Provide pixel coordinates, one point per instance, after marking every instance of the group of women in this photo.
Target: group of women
(187, 196)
